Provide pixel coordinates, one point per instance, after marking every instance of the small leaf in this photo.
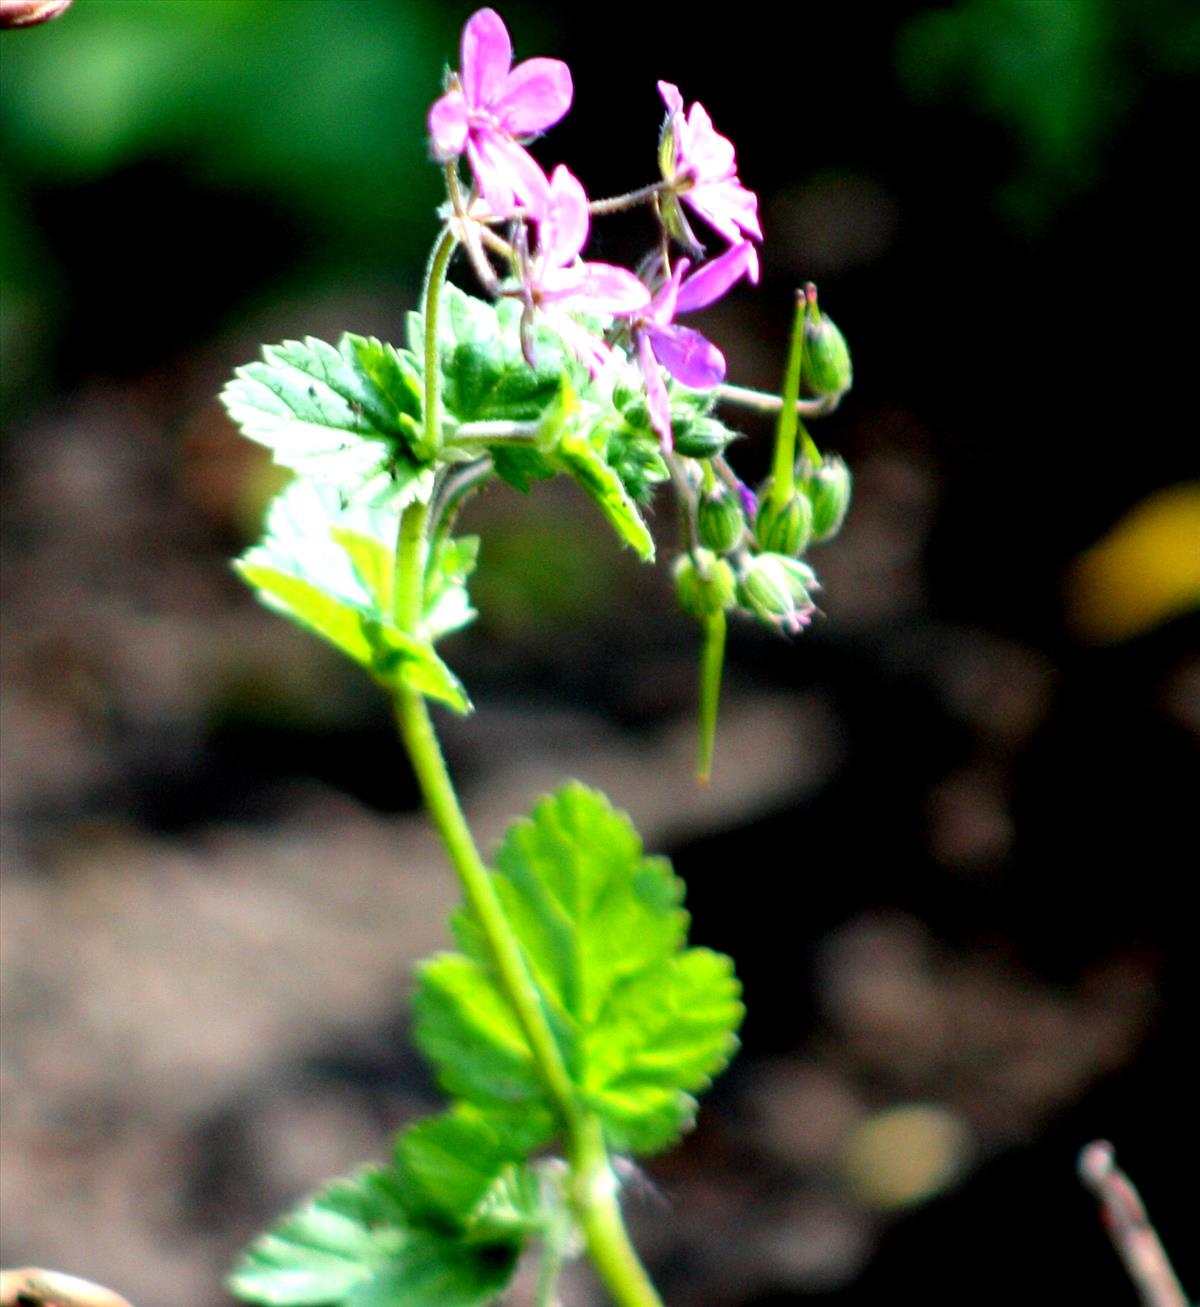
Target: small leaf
(465, 1169)
(347, 417)
(330, 570)
(354, 1245)
(586, 464)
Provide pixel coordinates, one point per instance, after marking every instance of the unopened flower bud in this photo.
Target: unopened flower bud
(784, 528)
(701, 438)
(829, 490)
(719, 520)
(777, 590)
(825, 367)
(704, 583)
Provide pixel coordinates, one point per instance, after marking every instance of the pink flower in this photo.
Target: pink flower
(700, 165)
(685, 353)
(492, 106)
(555, 280)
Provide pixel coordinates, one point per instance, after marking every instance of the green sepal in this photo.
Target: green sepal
(330, 570)
(582, 460)
(355, 1245)
(347, 417)
(602, 929)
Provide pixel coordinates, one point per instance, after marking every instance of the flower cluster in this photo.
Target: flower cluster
(489, 113)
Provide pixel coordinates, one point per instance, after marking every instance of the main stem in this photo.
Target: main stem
(592, 1188)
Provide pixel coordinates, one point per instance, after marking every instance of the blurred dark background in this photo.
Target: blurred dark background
(959, 812)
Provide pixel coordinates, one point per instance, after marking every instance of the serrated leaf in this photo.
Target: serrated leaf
(330, 570)
(601, 483)
(465, 1026)
(642, 1023)
(354, 1245)
(669, 1030)
(485, 375)
(466, 1170)
(347, 417)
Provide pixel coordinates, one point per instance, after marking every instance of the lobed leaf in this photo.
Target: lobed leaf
(355, 1245)
(347, 416)
(642, 1022)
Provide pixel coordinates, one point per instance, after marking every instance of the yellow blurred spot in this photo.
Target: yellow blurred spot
(1144, 571)
(904, 1155)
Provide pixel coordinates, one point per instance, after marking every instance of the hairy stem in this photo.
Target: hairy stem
(630, 200)
(764, 402)
(435, 278)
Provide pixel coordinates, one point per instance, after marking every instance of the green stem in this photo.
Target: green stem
(593, 1186)
(783, 468)
(435, 278)
(764, 402)
(712, 660)
(616, 203)
(594, 1190)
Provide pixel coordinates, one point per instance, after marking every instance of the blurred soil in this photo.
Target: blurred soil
(214, 889)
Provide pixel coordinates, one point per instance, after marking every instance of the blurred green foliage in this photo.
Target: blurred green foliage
(313, 109)
(1060, 75)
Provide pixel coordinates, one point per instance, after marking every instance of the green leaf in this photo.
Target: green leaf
(354, 1245)
(466, 1027)
(330, 570)
(447, 601)
(347, 417)
(485, 375)
(465, 1170)
(642, 1022)
(670, 1029)
(520, 467)
(600, 482)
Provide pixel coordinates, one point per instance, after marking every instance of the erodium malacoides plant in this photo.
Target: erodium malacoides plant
(573, 1025)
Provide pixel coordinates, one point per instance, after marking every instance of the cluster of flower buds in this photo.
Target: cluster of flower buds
(538, 225)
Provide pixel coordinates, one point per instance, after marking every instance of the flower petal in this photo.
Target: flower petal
(508, 175)
(448, 125)
(671, 97)
(609, 289)
(707, 284)
(535, 95)
(486, 57)
(657, 403)
(688, 356)
(707, 151)
(728, 206)
(564, 222)
(592, 352)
